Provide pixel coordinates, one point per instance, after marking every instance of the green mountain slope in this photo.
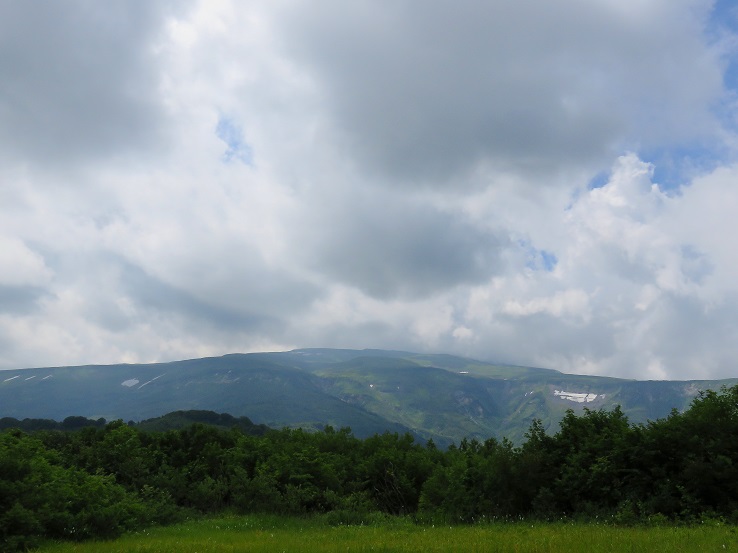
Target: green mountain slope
(241, 385)
(442, 397)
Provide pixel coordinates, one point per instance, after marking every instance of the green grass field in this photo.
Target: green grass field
(273, 534)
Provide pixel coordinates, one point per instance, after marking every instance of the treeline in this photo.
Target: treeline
(100, 481)
(170, 421)
(32, 425)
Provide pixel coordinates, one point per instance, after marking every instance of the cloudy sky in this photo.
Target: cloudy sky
(533, 182)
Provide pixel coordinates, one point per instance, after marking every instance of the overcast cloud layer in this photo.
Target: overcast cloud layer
(537, 183)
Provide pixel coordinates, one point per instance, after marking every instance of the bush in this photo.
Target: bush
(42, 498)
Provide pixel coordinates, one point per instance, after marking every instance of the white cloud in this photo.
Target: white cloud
(636, 284)
(562, 304)
(19, 266)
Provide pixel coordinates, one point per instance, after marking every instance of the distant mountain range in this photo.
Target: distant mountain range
(442, 397)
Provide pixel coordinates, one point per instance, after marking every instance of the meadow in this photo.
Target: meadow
(315, 535)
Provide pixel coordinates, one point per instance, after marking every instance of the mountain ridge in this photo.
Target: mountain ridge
(433, 396)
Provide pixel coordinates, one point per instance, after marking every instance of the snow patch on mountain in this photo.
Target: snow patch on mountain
(576, 397)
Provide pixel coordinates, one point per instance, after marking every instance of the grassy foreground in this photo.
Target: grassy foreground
(274, 534)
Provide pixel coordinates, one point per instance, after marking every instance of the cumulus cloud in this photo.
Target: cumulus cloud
(635, 289)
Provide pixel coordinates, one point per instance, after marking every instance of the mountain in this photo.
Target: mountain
(443, 397)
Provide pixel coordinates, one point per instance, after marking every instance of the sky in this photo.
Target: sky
(550, 184)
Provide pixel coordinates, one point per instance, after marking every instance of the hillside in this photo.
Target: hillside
(442, 397)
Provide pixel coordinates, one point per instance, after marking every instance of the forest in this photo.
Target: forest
(80, 482)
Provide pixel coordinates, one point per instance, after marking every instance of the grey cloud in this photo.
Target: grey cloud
(151, 294)
(542, 335)
(425, 90)
(610, 259)
(20, 300)
(690, 337)
(364, 334)
(78, 79)
(252, 300)
(120, 294)
(695, 265)
(396, 249)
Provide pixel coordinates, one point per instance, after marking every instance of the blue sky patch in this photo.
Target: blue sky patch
(677, 166)
(548, 260)
(539, 260)
(237, 148)
(724, 18)
(599, 180)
